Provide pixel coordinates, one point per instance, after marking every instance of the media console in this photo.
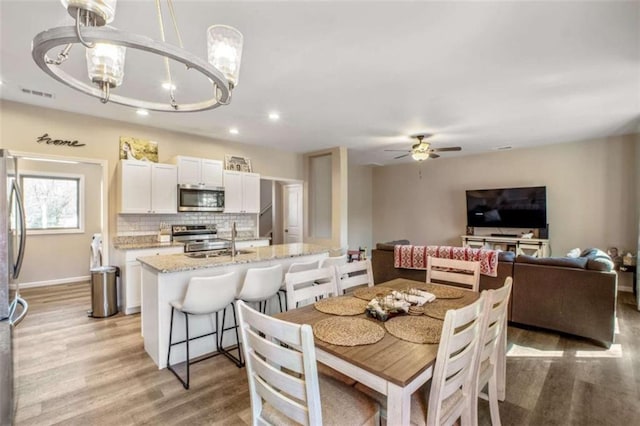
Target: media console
(529, 246)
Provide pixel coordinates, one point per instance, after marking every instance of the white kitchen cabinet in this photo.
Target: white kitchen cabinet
(241, 245)
(130, 279)
(241, 192)
(198, 171)
(148, 187)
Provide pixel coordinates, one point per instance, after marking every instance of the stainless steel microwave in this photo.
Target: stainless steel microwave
(200, 198)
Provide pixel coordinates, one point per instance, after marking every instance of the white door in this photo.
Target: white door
(135, 187)
(211, 172)
(251, 193)
(164, 187)
(292, 213)
(232, 192)
(189, 170)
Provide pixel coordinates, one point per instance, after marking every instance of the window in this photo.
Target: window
(53, 202)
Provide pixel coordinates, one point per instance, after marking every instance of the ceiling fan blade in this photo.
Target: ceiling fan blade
(401, 156)
(432, 155)
(396, 150)
(451, 148)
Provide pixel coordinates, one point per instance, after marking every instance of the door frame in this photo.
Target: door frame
(279, 207)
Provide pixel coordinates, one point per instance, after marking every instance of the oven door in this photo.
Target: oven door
(200, 198)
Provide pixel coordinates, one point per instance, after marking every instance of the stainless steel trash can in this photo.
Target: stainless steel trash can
(104, 291)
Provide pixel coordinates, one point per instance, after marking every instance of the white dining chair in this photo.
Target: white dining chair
(450, 393)
(354, 274)
(284, 385)
(307, 286)
(333, 261)
(260, 285)
(492, 349)
(295, 267)
(463, 272)
(205, 296)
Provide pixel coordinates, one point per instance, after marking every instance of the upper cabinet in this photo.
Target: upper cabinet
(147, 187)
(241, 192)
(198, 171)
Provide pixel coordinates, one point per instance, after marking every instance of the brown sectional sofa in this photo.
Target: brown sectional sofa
(575, 296)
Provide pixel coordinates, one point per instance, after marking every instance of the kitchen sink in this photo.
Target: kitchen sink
(215, 253)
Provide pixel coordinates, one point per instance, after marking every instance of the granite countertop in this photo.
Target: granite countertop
(145, 245)
(181, 262)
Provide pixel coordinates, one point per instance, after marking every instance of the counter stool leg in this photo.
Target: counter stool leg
(221, 349)
(186, 341)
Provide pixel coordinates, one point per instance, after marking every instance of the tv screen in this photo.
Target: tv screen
(507, 207)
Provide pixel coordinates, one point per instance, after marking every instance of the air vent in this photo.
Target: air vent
(38, 93)
(503, 148)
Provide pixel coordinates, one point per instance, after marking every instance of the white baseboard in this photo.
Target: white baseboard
(626, 288)
(53, 282)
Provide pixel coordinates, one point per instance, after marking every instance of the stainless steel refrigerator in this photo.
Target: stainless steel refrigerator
(13, 308)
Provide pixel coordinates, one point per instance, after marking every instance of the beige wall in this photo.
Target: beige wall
(21, 124)
(360, 207)
(591, 198)
(63, 256)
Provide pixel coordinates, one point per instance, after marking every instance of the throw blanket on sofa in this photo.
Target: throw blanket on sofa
(415, 257)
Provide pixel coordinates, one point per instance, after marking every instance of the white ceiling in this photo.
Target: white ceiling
(365, 75)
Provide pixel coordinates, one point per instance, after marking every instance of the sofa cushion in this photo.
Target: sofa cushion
(565, 262)
(506, 256)
(597, 260)
(391, 244)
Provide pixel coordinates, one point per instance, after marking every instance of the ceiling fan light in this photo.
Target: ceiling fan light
(420, 155)
(105, 10)
(224, 51)
(105, 64)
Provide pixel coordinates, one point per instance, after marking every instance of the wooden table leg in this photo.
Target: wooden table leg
(398, 405)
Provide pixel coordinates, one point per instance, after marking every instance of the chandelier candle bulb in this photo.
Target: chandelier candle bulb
(105, 64)
(224, 46)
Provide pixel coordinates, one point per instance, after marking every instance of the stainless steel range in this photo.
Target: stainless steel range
(199, 238)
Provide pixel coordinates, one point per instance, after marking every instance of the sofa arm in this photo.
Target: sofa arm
(580, 302)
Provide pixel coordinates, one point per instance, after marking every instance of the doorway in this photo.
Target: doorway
(281, 210)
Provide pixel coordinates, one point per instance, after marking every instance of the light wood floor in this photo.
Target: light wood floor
(76, 370)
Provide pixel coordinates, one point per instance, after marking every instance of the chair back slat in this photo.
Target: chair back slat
(333, 261)
(301, 286)
(454, 271)
(280, 402)
(455, 363)
(354, 274)
(280, 355)
(278, 379)
(494, 323)
(267, 381)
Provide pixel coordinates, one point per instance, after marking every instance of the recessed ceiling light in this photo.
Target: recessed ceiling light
(274, 116)
(233, 131)
(167, 86)
(142, 112)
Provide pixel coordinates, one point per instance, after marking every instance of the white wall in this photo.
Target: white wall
(360, 207)
(63, 256)
(591, 195)
(320, 207)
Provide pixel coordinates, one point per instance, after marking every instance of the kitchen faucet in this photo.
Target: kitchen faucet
(234, 234)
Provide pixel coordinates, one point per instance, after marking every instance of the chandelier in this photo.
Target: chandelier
(106, 50)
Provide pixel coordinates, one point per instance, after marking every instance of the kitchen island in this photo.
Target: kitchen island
(165, 279)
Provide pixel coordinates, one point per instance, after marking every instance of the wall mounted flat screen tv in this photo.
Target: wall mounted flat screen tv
(507, 207)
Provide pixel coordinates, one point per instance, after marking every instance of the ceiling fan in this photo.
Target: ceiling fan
(422, 150)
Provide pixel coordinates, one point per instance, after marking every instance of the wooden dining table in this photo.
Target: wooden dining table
(394, 367)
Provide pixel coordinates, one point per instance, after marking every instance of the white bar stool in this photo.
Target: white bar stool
(206, 296)
(260, 285)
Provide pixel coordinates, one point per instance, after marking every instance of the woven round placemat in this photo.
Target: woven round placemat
(345, 305)
(370, 293)
(348, 331)
(415, 329)
(439, 308)
(441, 291)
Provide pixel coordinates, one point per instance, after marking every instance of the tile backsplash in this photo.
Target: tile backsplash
(144, 224)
